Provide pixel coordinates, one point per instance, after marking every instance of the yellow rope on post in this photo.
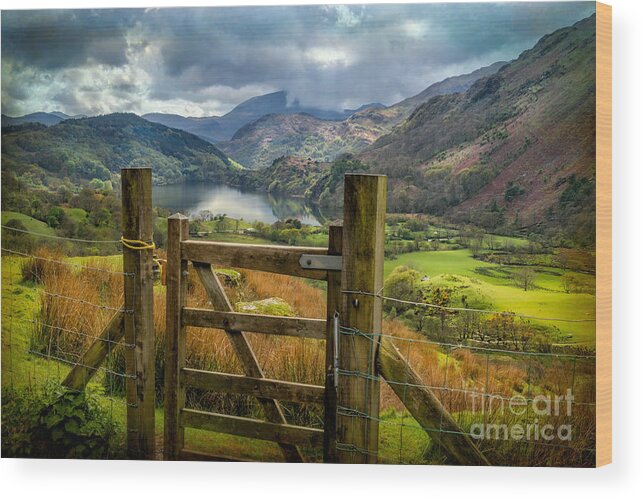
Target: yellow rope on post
(160, 263)
(135, 244)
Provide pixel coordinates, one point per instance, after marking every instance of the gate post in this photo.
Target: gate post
(177, 283)
(362, 270)
(333, 305)
(137, 228)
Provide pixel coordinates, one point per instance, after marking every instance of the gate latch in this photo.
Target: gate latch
(321, 262)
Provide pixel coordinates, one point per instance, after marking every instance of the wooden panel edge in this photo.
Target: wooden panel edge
(603, 234)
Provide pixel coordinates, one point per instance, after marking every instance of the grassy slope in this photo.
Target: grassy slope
(30, 223)
(547, 300)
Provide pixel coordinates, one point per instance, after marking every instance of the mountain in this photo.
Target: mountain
(97, 147)
(260, 142)
(514, 152)
(47, 119)
(257, 144)
(387, 118)
(517, 148)
(221, 128)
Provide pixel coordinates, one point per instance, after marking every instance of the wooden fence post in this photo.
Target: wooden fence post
(177, 283)
(139, 311)
(333, 304)
(362, 270)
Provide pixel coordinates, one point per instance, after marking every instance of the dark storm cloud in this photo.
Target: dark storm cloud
(54, 39)
(206, 60)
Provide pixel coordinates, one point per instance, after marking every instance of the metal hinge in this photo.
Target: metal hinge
(321, 262)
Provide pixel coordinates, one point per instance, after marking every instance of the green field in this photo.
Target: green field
(31, 224)
(493, 284)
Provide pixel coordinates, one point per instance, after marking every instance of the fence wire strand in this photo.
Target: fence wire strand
(461, 309)
(492, 405)
(52, 353)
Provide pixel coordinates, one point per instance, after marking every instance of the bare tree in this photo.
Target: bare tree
(490, 241)
(524, 278)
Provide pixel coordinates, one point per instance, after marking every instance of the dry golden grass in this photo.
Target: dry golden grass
(455, 375)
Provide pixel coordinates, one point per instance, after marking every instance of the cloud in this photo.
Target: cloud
(202, 61)
(327, 57)
(415, 29)
(346, 17)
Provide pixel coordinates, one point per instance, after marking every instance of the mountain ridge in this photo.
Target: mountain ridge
(260, 142)
(222, 128)
(99, 146)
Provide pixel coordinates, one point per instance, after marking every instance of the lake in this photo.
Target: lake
(190, 198)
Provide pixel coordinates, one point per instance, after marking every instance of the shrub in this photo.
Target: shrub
(57, 423)
(403, 284)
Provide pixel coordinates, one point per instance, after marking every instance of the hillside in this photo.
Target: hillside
(516, 149)
(221, 128)
(258, 144)
(387, 118)
(97, 147)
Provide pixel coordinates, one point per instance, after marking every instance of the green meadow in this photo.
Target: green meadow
(491, 286)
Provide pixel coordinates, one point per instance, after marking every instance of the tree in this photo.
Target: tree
(475, 244)
(55, 217)
(441, 297)
(490, 241)
(524, 278)
(403, 284)
(100, 217)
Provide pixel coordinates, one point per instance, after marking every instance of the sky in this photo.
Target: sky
(205, 61)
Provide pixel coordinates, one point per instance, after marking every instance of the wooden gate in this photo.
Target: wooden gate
(312, 263)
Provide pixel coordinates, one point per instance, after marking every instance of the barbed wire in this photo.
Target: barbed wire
(485, 394)
(51, 352)
(79, 364)
(461, 309)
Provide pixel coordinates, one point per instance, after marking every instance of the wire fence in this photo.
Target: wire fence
(55, 307)
(522, 402)
(519, 407)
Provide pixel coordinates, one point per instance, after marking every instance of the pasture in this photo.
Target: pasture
(493, 285)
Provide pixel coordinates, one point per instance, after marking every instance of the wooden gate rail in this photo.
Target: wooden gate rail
(252, 428)
(257, 387)
(252, 323)
(275, 259)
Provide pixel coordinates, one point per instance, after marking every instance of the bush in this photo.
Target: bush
(57, 423)
(14, 240)
(403, 284)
